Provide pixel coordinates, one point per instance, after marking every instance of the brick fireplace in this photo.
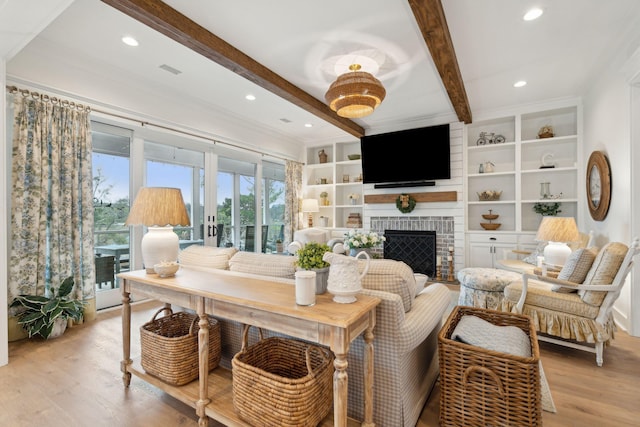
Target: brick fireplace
(443, 226)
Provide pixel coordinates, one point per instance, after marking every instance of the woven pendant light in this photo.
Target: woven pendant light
(355, 94)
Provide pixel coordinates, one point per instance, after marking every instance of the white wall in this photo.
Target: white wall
(607, 128)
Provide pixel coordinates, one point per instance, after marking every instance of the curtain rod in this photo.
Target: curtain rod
(46, 98)
(25, 92)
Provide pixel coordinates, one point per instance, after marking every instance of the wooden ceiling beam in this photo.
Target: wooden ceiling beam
(168, 21)
(430, 17)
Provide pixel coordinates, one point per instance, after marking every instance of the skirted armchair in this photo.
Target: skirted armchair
(576, 307)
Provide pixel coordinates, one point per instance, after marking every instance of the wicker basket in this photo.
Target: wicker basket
(282, 382)
(169, 346)
(480, 387)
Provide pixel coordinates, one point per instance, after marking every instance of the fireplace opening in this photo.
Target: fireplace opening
(416, 248)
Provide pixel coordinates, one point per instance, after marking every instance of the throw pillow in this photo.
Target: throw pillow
(206, 256)
(603, 271)
(263, 264)
(576, 268)
(533, 257)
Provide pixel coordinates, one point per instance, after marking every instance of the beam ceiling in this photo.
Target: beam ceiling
(168, 21)
(433, 25)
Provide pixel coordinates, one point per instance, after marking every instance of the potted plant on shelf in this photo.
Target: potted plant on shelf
(354, 198)
(310, 258)
(48, 316)
(279, 246)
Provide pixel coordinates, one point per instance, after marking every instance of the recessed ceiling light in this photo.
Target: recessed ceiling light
(308, 125)
(130, 41)
(520, 83)
(250, 97)
(532, 14)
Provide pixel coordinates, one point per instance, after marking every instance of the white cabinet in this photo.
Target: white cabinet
(340, 178)
(485, 248)
(516, 169)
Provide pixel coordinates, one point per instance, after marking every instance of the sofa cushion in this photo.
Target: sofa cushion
(603, 271)
(576, 268)
(265, 264)
(206, 256)
(390, 276)
(540, 295)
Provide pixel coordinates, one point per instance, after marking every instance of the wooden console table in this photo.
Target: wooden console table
(268, 304)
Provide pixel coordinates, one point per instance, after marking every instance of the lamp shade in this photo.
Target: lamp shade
(310, 205)
(159, 208)
(557, 231)
(355, 93)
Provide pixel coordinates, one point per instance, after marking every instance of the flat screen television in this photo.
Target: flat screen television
(412, 157)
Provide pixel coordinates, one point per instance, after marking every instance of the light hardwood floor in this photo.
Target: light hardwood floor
(75, 380)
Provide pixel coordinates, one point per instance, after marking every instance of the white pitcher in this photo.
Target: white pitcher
(344, 279)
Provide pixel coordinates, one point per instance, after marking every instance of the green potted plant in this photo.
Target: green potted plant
(310, 258)
(279, 246)
(48, 316)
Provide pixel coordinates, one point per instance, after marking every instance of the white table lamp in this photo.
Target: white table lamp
(310, 206)
(159, 209)
(558, 231)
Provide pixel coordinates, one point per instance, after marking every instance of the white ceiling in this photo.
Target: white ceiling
(80, 53)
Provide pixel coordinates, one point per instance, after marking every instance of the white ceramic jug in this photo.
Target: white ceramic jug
(344, 280)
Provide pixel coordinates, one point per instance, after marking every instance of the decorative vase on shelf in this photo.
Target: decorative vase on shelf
(322, 156)
(545, 191)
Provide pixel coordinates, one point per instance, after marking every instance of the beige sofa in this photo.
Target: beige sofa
(408, 320)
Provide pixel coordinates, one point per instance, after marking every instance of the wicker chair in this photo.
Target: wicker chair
(575, 309)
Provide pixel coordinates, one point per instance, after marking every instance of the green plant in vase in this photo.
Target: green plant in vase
(310, 258)
(47, 316)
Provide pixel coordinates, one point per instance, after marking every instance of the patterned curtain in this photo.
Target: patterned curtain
(293, 195)
(51, 199)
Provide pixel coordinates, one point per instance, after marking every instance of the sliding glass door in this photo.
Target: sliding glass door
(231, 201)
(111, 199)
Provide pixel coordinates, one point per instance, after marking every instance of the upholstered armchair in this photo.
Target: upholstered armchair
(575, 309)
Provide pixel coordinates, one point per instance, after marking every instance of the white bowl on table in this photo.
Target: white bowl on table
(166, 269)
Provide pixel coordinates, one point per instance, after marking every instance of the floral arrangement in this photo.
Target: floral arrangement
(355, 239)
(547, 209)
(354, 196)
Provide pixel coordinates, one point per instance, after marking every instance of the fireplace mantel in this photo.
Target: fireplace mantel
(437, 196)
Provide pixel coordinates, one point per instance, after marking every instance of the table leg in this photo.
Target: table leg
(368, 378)
(126, 337)
(340, 389)
(203, 358)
